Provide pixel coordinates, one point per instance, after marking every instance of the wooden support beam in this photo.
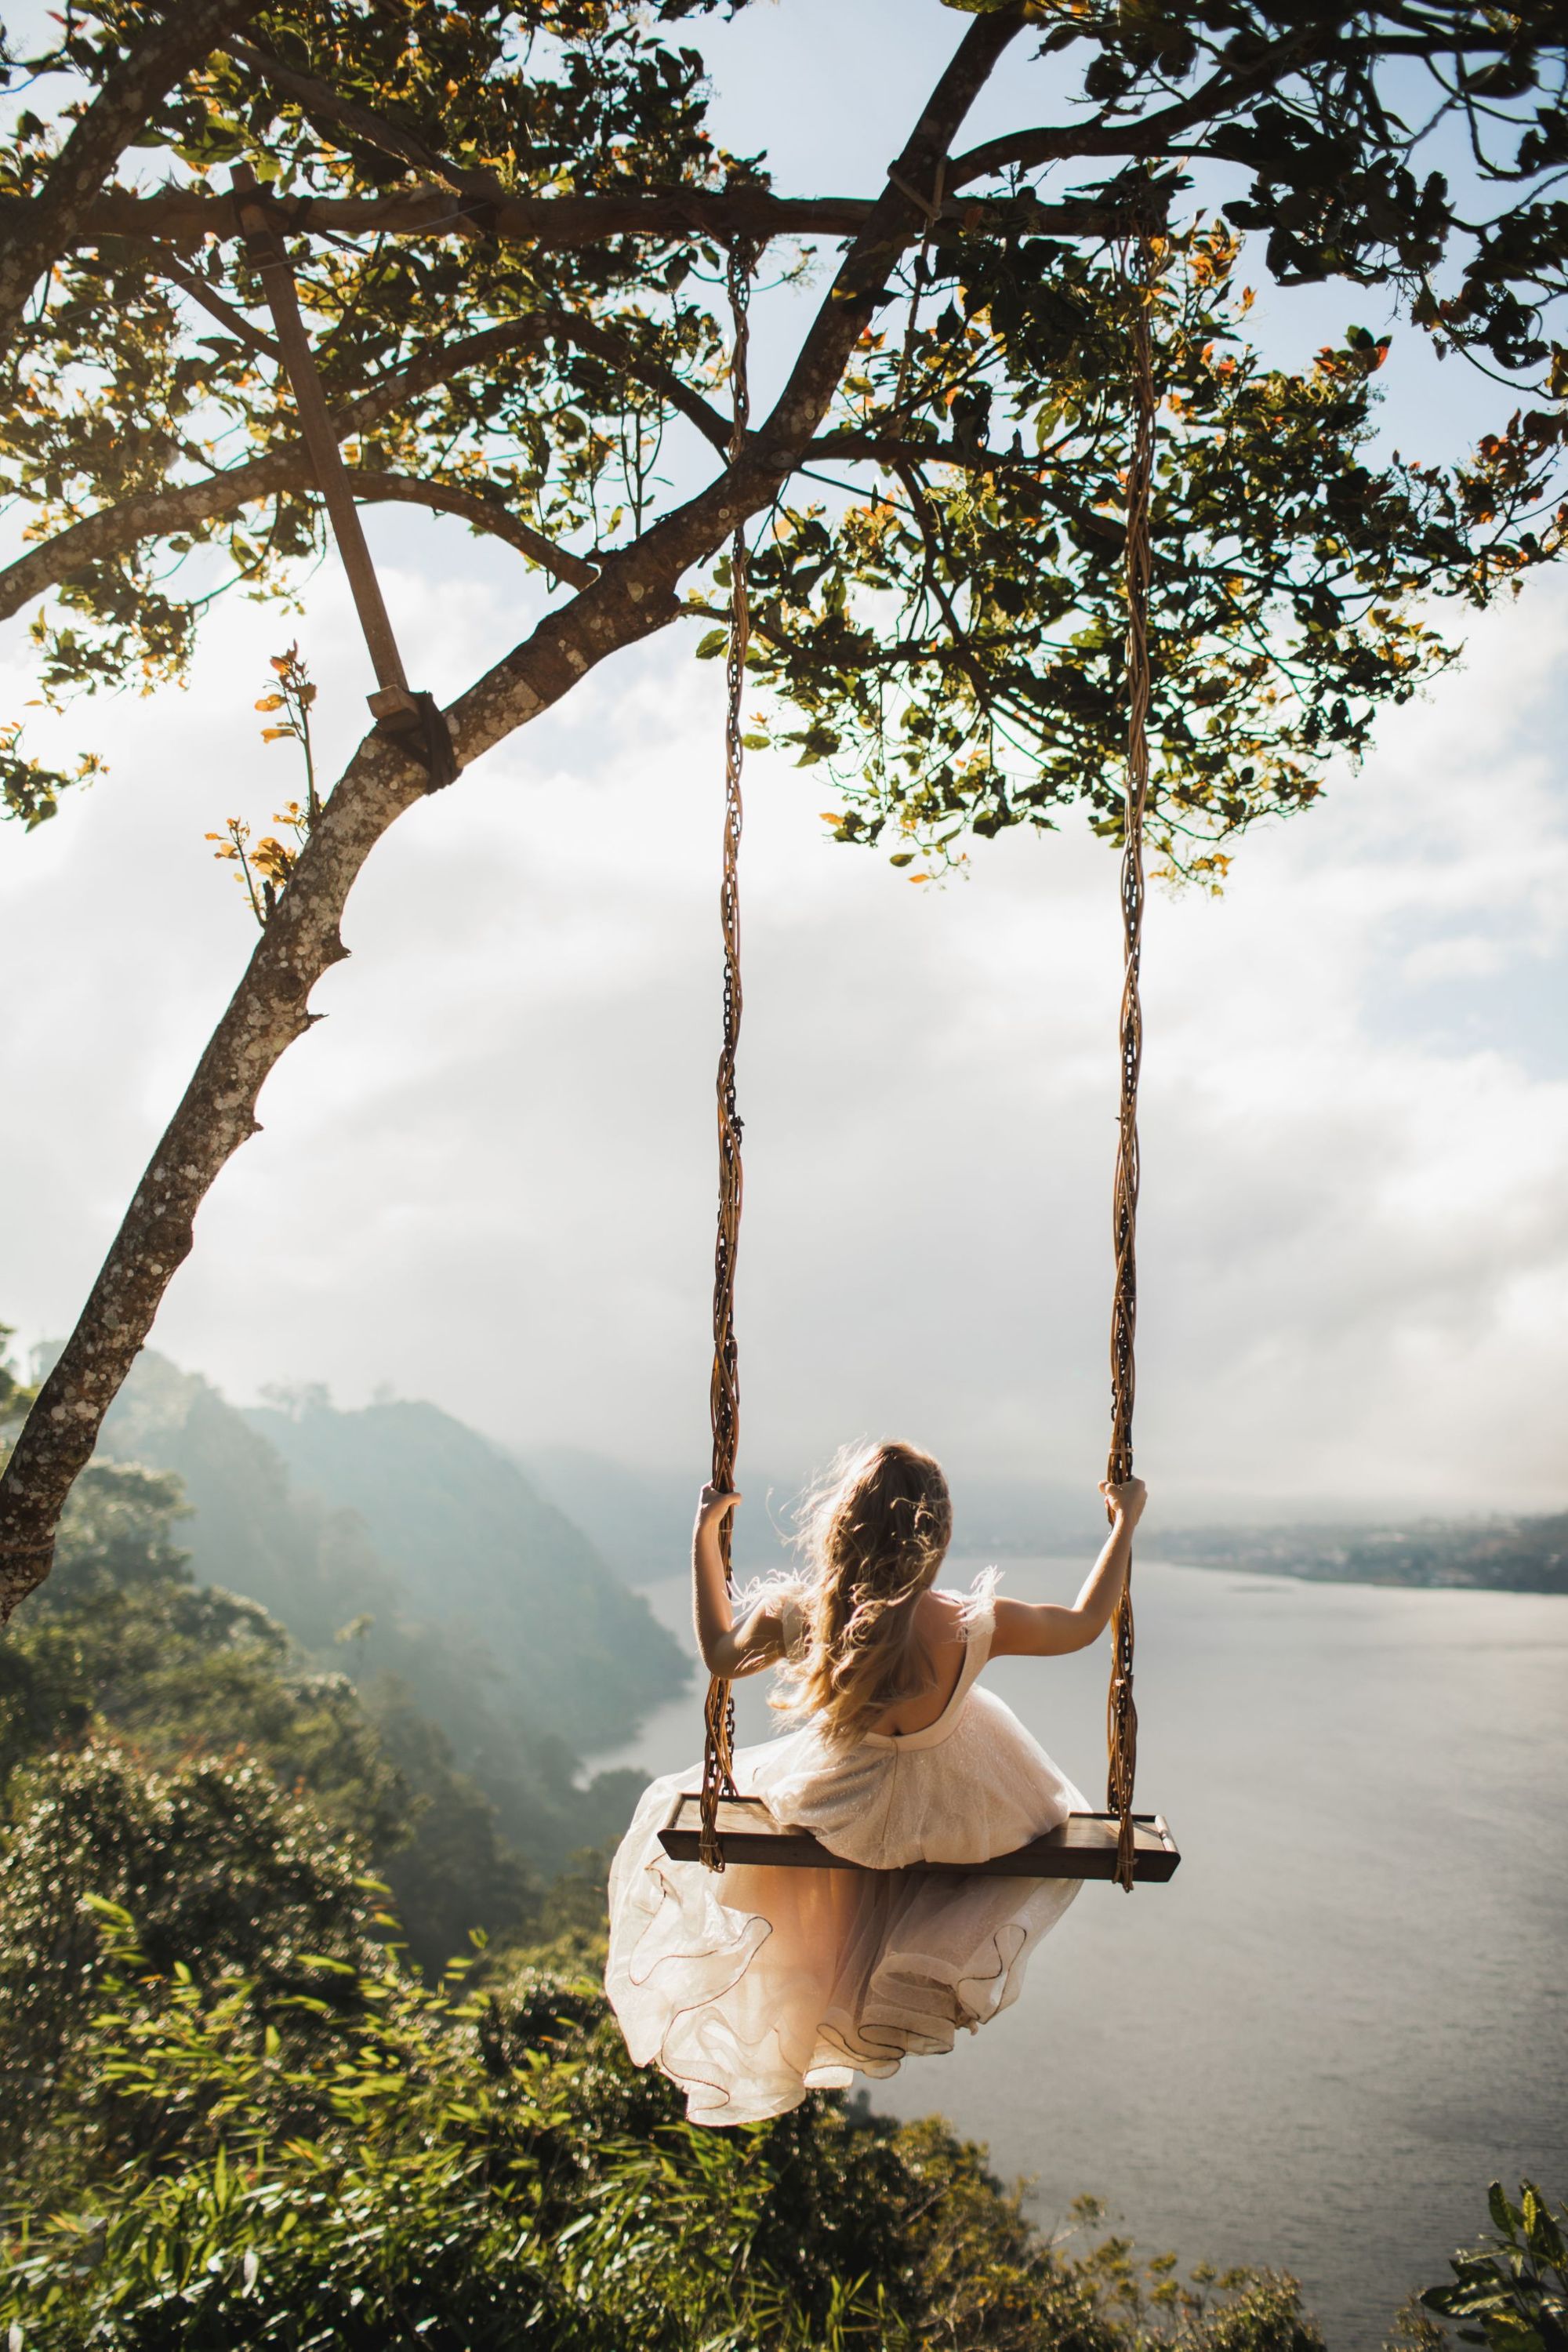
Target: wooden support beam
(393, 707)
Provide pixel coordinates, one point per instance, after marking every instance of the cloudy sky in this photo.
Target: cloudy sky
(487, 1177)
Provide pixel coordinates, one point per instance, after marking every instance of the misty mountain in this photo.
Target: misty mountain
(482, 1625)
(477, 1548)
(641, 1520)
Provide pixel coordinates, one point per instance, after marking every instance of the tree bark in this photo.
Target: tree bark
(634, 595)
(41, 228)
(561, 223)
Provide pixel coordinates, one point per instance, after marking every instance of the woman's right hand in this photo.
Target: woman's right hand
(1126, 1499)
(715, 1503)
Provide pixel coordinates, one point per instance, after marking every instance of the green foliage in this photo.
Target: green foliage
(140, 369)
(364, 1698)
(121, 1644)
(479, 2170)
(1510, 2292)
(263, 867)
(943, 628)
(456, 1872)
(225, 1871)
(29, 789)
(120, 1637)
(15, 1396)
(956, 651)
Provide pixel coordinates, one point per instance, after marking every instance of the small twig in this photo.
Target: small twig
(914, 490)
(320, 98)
(169, 264)
(933, 213)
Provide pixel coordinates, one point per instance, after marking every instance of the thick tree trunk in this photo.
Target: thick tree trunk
(634, 596)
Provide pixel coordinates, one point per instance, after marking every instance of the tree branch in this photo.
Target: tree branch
(152, 515)
(1148, 134)
(170, 266)
(633, 596)
(487, 514)
(969, 662)
(40, 228)
(605, 344)
(288, 469)
(320, 98)
(662, 215)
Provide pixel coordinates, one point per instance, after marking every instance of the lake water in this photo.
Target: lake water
(1349, 2009)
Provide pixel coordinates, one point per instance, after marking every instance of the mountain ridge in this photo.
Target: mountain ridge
(548, 1654)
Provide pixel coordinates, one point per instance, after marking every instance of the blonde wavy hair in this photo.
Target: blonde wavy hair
(873, 1534)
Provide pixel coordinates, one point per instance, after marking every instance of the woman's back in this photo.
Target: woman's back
(947, 1776)
(942, 1637)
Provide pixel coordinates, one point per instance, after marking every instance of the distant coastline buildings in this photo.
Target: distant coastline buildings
(1498, 1555)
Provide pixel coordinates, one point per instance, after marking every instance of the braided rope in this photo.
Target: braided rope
(724, 1390)
(1121, 1713)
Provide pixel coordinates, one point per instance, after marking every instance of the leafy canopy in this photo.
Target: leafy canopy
(369, 2160)
(509, 222)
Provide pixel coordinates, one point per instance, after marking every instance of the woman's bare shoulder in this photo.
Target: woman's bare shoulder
(940, 1614)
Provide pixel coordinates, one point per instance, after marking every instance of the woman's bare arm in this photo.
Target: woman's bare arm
(728, 1650)
(1041, 1628)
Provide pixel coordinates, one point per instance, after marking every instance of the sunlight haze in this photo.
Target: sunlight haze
(487, 1179)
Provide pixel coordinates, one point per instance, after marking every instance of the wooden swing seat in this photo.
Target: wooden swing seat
(1083, 1847)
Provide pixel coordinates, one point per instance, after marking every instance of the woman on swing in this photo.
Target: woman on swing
(751, 1987)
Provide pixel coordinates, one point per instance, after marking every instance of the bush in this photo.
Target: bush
(1512, 2288)
(375, 2160)
(121, 1644)
(225, 1871)
(120, 1641)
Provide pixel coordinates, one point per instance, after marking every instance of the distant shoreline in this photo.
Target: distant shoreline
(1524, 1555)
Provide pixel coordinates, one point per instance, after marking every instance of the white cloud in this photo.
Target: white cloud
(488, 1176)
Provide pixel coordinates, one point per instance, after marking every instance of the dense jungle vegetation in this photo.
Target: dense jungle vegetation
(249, 2097)
(343, 1672)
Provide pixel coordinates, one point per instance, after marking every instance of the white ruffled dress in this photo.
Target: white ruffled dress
(751, 1986)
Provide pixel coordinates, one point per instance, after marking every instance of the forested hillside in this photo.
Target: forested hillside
(488, 1640)
(477, 1548)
